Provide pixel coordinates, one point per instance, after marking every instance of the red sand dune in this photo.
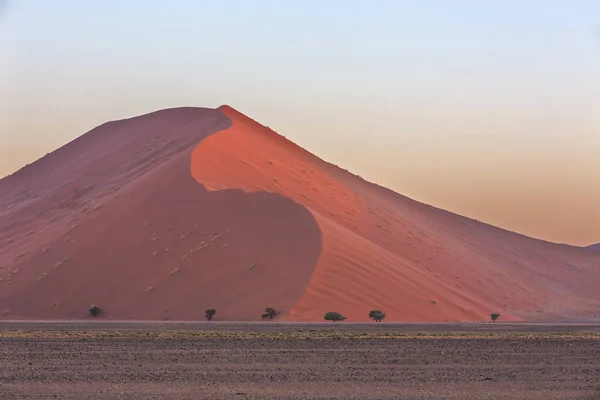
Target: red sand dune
(594, 247)
(167, 214)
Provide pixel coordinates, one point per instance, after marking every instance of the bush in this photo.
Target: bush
(95, 311)
(334, 316)
(494, 316)
(270, 313)
(210, 313)
(377, 315)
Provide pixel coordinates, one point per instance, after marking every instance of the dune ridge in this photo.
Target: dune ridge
(163, 215)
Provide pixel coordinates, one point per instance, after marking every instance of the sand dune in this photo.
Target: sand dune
(164, 215)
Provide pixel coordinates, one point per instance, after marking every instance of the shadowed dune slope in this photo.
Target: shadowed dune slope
(167, 214)
(116, 219)
(594, 247)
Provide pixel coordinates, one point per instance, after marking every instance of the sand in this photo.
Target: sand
(164, 215)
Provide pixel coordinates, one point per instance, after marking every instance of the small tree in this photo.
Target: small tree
(270, 313)
(494, 316)
(377, 315)
(95, 311)
(334, 316)
(210, 313)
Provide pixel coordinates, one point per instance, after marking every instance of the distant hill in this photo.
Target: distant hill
(165, 215)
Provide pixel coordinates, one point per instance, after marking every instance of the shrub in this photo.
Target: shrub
(270, 313)
(334, 316)
(210, 313)
(377, 315)
(95, 311)
(494, 316)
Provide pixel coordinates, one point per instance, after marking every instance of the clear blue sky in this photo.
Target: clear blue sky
(485, 108)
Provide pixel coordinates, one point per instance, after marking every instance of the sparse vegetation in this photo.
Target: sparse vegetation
(210, 313)
(494, 316)
(42, 277)
(270, 313)
(251, 266)
(95, 311)
(334, 316)
(174, 271)
(377, 315)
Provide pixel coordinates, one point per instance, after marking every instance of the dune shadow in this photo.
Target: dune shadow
(163, 246)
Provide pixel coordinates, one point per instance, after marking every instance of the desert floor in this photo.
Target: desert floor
(171, 360)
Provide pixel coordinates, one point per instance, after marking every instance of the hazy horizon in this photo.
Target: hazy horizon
(489, 111)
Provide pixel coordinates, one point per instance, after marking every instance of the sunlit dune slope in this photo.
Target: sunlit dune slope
(167, 214)
(385, 251)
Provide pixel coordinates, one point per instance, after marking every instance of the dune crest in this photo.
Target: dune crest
(164, 215)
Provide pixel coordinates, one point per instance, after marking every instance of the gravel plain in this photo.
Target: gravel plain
(124, 360)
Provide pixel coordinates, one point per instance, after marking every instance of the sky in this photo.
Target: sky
(487, 109)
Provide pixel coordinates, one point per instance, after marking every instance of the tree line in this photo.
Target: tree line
(270, 313)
